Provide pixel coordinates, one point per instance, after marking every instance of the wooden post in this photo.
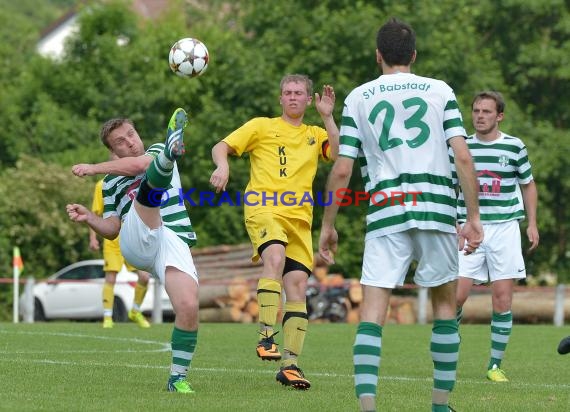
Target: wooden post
(422, 305)
(559, 305)
(157, 303)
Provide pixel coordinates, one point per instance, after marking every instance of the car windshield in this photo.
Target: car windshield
(83, 273)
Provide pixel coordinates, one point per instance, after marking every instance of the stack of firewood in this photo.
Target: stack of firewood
(336, 280)
(228, 301)
(228, 281)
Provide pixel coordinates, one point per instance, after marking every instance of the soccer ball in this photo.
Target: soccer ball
(188, 57)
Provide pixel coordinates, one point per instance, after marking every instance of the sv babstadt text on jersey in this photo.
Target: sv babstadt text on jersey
(367, 94)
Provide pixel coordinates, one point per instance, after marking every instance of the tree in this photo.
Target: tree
(53, 110)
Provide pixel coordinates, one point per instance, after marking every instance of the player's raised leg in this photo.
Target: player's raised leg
(160, 171)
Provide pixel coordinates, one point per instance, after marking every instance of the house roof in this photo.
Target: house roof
(148, 9)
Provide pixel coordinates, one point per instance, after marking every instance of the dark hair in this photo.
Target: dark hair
(297, 78)
(111, 125)
(396, 42)
(493, 95)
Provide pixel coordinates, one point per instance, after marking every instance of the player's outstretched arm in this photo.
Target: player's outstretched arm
(530, 199)
(472, 231)
(221, 174)
(108, 228)
(339, 178)
(325, 106)
(125, 166)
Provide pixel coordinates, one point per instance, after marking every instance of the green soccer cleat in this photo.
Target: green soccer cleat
(174, 144)
(107, 323)
(178, 383)
(496, 375)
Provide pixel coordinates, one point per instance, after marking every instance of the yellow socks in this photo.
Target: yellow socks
(140, 292)
(295, 322)
(268, 298)
(108, 298)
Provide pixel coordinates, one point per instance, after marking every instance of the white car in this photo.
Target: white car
(75, 292)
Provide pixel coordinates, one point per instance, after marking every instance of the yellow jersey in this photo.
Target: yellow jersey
(97, 208)
(283, 163)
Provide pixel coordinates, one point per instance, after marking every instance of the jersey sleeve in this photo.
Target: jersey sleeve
(524, 170)
(452, 120)
(244, 138)
(350, 138)
(323, 141)
(108, 195)
(154, 149)
(97, 205)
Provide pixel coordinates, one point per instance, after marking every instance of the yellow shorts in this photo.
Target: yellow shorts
(295, 233)
(113, 258)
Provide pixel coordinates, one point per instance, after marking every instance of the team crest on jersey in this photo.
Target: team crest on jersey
(311, 141)
(503, 160)
(262, 233)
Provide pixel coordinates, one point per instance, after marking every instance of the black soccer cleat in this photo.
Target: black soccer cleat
(564, 346)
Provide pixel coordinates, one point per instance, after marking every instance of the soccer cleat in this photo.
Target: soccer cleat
(174, 144)
(139, 319)
(267, 348)
(107, 323)
(564, 346)
(178, 383)
(496, 375)
(293, 376)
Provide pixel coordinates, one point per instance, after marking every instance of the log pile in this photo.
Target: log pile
(228, 282)
(530, 305)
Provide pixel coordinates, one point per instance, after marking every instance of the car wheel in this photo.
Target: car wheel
(39, 314)
(119, 311)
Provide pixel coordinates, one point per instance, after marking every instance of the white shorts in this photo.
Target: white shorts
(152, 250)
(498, 257)
(387, 258)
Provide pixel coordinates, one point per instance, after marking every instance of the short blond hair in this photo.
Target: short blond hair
(297, 78)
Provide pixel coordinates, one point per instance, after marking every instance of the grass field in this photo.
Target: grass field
(81, 367)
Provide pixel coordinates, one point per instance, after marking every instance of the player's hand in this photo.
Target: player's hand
(325, 102)
(94, 244)
(328, 243)
(83, 169)
(219, 179)
(77, 213)
(533, 237)
(470, 236)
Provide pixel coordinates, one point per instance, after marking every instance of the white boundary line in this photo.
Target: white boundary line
(164, 347)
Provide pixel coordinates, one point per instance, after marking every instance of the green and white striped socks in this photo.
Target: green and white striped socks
(444, 349)
(501, 327)
(183, 346)
(366, 357)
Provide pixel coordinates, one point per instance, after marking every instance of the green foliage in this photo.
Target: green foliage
(52, 110)
(33, 196)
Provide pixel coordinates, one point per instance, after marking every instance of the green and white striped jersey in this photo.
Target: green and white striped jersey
(501, 165)
(120, 191)
(397, 126)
